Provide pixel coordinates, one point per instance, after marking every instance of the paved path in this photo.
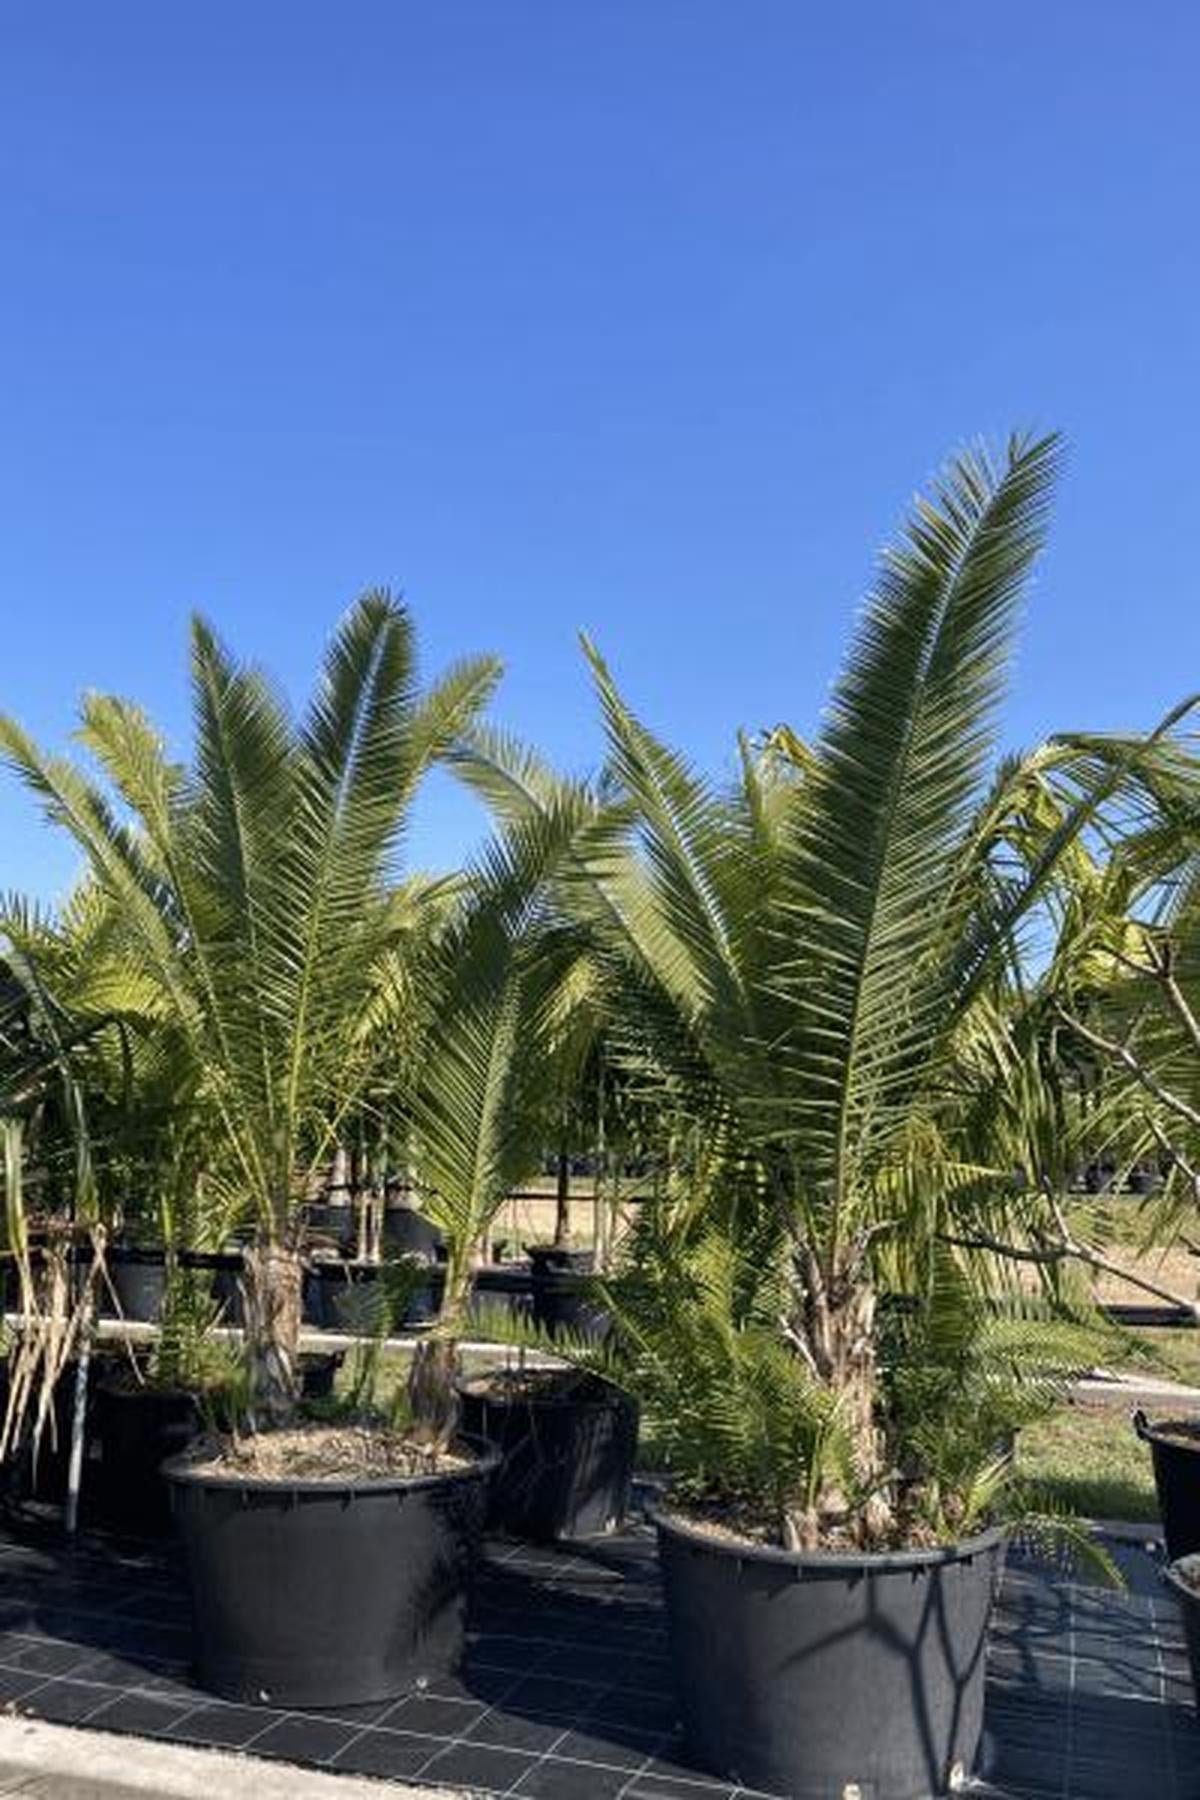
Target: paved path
(60, 1762)
(1137, 1389)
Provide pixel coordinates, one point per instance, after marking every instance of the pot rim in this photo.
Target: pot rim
(833, 1562)
(183, 1473)
(592, 1403)
(1155, 1431)
(1174, 1579)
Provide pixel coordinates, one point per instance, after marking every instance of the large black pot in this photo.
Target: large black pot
(333, 1223)
(560, 1290)
(139, 1280)
(821, 1675)
(407, 1232)
(558, 1259)
(568, 1451)
(44, 1478)
(316, 1594)
(318, 1373)
(228, 1267)
(313, 1306)
(1177, 1478)
(135, 1429)
(1188, 1595)
(338, 1310)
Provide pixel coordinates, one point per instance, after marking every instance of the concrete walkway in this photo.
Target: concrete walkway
(1136, 1389)
(59, 1762)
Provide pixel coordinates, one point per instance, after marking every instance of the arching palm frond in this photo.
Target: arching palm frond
(818, 969)
(250, 890)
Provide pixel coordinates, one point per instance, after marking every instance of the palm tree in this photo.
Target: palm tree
(1122, 988)
(797, 965)
(251, 893)
(502, 988)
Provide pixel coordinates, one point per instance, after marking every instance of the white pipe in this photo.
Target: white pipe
(78, 1421)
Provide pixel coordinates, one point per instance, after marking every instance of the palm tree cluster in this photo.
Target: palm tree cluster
(872, 1003)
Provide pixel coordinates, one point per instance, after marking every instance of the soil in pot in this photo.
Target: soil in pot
(567, 1443)
(1183, 1578)
(812, 1675)
(328, 1567)
(135, 1428)
(1175, 1453)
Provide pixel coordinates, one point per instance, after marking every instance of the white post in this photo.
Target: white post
(78, 1420)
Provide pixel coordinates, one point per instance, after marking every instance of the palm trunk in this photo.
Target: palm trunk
(562, 1201)
(433, 1374)
(271, 1289)
(836, 1324)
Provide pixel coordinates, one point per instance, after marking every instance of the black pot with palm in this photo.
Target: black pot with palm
(254, 905)
(814, 974)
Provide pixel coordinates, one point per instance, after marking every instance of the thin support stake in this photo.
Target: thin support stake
(78, 1421)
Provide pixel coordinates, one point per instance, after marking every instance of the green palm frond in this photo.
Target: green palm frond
(880, 828)
(249, 893)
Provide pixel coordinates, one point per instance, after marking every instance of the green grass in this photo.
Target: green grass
(1178, 1349)
(1089, 1459)
(1088, 1455)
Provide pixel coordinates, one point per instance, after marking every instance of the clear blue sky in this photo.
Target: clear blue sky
(639, 316)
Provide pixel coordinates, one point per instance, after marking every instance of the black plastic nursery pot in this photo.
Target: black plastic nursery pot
(318, 1593)
(136, 1283)
(43, 1478)
(318, 1373)
(560, 1292)
(330, 1303)
(822, 1675)
(139, 1280)
(334, 1223)
(1182, 1576)
(1175, 1453)
(312, 1299)
(135, 1429)
(227, 1267)
(567, 1450)
(407, 1233)
(558, 1259)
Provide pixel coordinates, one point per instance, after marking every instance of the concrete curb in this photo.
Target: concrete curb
(61, 1762)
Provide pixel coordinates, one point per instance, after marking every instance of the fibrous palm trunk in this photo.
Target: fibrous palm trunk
(433, 1375)
(835, 1324)
(271, 1292)
(562, 1200)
